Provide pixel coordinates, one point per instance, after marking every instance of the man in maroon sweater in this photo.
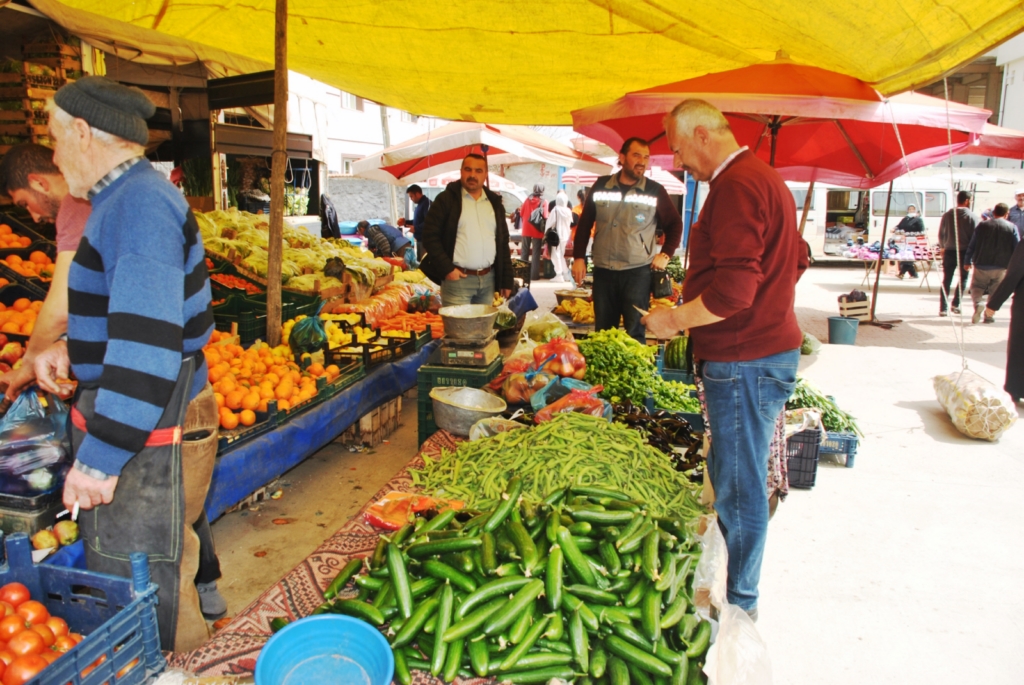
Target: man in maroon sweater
(745, 259)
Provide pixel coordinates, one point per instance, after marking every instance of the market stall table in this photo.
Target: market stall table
(240, 472)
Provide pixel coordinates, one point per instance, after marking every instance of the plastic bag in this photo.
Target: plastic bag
(34, 445)
(556, 390)
(519, 387)
(517, 365)
(544, 326)
(810, 345)
(308, 335)
(488, 428)
(506, 319)
(561, 357)
(978, 408)
(579, 401)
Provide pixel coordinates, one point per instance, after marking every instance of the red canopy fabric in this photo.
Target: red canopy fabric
(996, 141)
(827, 127)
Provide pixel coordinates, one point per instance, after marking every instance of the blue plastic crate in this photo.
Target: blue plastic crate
(671, 374)
(696, 420)
(112, 612)
(841, 443)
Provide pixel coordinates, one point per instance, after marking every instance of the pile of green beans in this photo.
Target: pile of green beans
(587, 587)
(571, 448)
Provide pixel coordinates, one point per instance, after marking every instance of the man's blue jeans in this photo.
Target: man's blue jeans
(619, 293)
(468, 290)
(744, 399)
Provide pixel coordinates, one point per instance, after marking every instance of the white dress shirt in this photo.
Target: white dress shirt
(475, 246)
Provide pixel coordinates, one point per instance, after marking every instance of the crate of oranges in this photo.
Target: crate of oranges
(31, 265)
(19, 308)
(258, 388)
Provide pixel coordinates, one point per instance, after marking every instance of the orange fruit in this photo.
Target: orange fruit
(13, 259)
(332, 370)
(219, 398)
(228, 420)
(283, 405)
(233, 400)
(36, 306)
(263, 405)
(21, 304)
(28, 327)
(250, 401)
(5, 229)
(247, 417)
(25, 241)
(10, 327)
(39, 257)
(316, 369)
(226, 386)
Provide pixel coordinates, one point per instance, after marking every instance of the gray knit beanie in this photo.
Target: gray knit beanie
(109, 106)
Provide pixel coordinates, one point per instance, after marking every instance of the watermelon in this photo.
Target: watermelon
(676, 352)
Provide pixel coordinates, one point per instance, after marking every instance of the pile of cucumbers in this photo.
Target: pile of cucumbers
(585, 586)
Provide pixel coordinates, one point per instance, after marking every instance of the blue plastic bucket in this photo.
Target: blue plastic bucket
(842, 330)
(326, 649)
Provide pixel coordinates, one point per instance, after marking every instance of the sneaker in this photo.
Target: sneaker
(990, 319)
(211, 602)
(955, 310)
(978, 311)
(943, 313)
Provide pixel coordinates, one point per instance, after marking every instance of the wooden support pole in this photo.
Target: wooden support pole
(807, 208)
(278, 161)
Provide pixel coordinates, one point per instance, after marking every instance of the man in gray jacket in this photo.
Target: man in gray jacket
(955, 233)
(989, 253)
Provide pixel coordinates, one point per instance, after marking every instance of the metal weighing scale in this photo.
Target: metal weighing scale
(470, 352)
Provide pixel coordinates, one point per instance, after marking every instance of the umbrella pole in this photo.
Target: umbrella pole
(279, 159)
(487, 167)
(878, 268)
(807, 207)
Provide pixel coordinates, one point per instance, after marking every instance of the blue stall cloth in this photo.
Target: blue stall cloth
(522, 302)
(242, 471)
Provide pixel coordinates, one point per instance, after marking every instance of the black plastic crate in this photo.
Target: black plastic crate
(802, 455)
(21, 228)
(391, 349)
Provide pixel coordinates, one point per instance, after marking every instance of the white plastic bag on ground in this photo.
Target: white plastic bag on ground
(738, 655)
(978, 408)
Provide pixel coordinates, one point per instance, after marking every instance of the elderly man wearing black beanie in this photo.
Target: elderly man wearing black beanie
(144, 418)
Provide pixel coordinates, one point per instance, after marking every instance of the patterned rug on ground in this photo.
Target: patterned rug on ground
(234, 649)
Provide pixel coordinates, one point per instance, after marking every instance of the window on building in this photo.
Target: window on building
(346, 165)
(934, 204)
(799, 196)
(350, 101)
(409, 118)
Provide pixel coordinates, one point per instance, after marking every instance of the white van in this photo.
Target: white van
(839, 215)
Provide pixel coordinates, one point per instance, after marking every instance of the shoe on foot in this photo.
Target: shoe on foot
(990, 319)
(955, 310)
(978, 311)
(211, 602)
(943, 313)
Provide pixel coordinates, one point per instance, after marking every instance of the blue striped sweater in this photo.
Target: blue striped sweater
(138, 301)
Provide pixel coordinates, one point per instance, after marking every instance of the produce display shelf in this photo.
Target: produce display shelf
(347, 375)
(114, 613)
(841, 443)
(802, 455)
(391, 350)
(39, 288)
(248, 467)
(22, 228)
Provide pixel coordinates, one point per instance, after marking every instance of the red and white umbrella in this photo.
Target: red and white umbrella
(672, 184)
(444, 148)
(494, 182)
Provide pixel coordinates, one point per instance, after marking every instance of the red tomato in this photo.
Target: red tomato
(25, 643)
(7, 609)
(6, 657)
(63, 643)
(44, 632)
(24, 669)
(33, 612)
(77, 637)
(50, 655)
(134, 662)
(14, 594)
(11, 626)
(58, 625)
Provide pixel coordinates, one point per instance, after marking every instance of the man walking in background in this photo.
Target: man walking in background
(466, 240)
(746, 256)
(533, 233)
(1016, 213)
(955, 232)
(419, 216)
(625, 211)
(989, 254)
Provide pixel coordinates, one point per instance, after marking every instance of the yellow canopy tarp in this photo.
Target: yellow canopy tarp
(534, 61)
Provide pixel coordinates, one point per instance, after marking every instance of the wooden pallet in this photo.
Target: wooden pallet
(372, 429)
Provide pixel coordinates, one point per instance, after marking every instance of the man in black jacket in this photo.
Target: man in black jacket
(989, 254)
(465, 239)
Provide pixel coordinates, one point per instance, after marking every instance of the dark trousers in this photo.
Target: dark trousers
(618, 294)
(949, 260)
(909, 269)
(419, 250)
(532, 248)
(209, 564)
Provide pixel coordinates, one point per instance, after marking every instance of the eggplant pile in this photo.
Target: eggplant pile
(665, 432)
